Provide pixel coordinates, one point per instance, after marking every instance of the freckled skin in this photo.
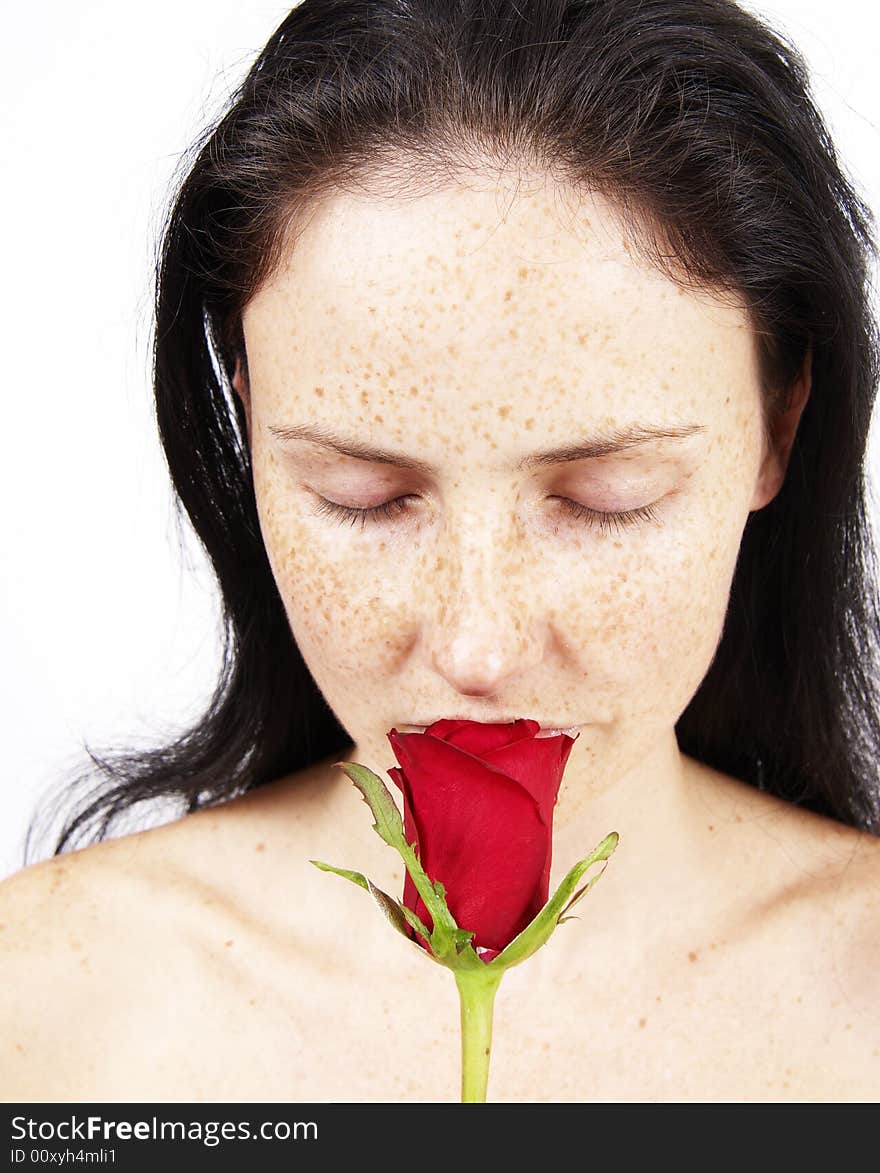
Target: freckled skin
(485, 598)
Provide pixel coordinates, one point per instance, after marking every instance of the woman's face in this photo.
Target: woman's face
(468, 363)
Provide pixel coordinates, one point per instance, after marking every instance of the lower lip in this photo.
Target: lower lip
(570, 732)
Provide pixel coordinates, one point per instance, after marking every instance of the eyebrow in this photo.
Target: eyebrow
(601, 444)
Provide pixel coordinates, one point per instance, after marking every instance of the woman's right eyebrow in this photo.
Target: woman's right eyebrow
(604, 443)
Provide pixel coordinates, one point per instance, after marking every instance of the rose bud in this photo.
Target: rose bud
(478, 805)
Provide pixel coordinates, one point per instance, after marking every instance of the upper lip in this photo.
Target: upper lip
(493, 721)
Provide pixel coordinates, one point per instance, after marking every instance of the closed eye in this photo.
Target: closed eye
(605, 522)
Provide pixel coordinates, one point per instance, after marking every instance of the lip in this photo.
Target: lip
(545, 730)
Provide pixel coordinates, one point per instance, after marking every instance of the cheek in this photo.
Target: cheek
(655, 626)
(342, 599)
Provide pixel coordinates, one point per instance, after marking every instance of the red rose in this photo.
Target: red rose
(478, 804)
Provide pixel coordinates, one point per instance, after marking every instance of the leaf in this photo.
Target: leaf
(538, 932)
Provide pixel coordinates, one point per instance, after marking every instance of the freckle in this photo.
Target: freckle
(260, 847)
(529, 424)
(658, 999)
(642, 1022)
(513, 333)
(692, 955)
(378, 419)
(711, 827)
(738, 818)
(508, 294)
(252, 1001)
(504, 411)
(413, 390)
(365, 398)
(522, 273)
(319, 391)
(227, 944)
(372, 309)
(19, 1048)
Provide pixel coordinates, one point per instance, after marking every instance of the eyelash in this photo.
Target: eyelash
(594, 518)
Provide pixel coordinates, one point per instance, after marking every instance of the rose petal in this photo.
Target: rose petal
(478, 739)
(537, 766)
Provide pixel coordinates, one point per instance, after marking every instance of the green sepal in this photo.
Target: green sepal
(389, 826)
(538, 932)
(355, 877)
(461, 939)
(575, 899)
(415, 922)
(397, 914)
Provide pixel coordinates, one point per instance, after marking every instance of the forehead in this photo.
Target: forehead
(490, 290)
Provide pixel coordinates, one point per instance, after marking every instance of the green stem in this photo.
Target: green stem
(476, 991)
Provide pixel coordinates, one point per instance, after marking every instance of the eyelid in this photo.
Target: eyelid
(603, 520)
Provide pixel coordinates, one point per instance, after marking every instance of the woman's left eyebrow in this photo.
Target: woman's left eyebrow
(603, 443)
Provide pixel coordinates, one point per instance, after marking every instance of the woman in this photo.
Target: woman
(511, 361)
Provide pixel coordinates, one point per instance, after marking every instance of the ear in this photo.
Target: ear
(243, 391)
(782, 428)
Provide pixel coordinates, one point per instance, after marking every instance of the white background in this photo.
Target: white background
(108, 634)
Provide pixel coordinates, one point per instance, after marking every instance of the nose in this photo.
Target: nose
(484, 625)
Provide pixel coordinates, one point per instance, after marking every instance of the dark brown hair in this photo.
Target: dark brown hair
(697, 121)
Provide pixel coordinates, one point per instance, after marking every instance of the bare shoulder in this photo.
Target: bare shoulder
(846, 942)
(853, 908)
(816, 936)
(90, 939)
(119, 960)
